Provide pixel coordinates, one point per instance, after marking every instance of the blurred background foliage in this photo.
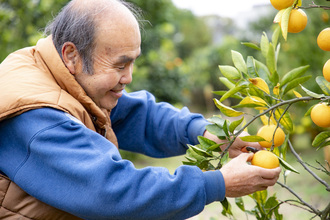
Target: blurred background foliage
(180, 51)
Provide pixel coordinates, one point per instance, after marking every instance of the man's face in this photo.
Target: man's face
(117, 47)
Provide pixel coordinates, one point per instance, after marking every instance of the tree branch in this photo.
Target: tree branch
(300, 199)
(316, 6)
(306, 168)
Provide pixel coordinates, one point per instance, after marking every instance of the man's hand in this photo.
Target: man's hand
(242, 179)
(236, 147)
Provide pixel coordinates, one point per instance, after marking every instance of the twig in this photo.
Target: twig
(300, 199)
(323, 169)
(316, 6)
(306, 168)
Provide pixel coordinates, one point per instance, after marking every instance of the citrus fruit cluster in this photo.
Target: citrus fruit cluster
(297, 18)
(320, 113)
(323, 41)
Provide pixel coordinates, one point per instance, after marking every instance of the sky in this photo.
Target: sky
(225, 8)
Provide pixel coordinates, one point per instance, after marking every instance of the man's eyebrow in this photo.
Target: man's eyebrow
(127, 59)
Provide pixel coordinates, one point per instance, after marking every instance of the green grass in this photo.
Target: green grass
(303, 184)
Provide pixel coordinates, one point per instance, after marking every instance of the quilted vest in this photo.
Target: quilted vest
(36, 77)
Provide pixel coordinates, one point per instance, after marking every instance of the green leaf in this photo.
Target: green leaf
(270, 59)
(262, 71)
(215, 147)
(264, 44)
(293, 74)
(233, 125)
(251, 68)
(221, 93)
(192, 154)
(218, 120)
(286, 120)
(230, 72)
(227, 110)
(226, 208)
(285, 22)
(271, 202)
(200, 151)
(275, 78)
(294, 83)
(260, 196)
(321, 139)
(324, 84)
(232, 91)
(251, 102)
(276, 35)
(227, 83)
(239, 61)
(225, 128)
(240, 203)
(205, 142)
(312, 94)
(308, 112)
(251, 45)
(216, 130)
(188, 163)
(252, 138)
(286, 165)
(277, 52)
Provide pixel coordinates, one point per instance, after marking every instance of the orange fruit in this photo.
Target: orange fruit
(281, 4)
(297, 21)
(326, 70)
(267, 132)
(320, 115)
(323, 40)
(265, 159)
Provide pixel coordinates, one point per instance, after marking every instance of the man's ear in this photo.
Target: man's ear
(71, 57)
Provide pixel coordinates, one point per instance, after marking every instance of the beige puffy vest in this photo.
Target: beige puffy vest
(32, 78)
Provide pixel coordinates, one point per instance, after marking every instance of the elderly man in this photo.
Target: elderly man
(64, 112)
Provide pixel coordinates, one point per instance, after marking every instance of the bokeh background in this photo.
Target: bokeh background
(181, 51)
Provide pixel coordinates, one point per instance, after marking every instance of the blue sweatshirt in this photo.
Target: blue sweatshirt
(55, 158)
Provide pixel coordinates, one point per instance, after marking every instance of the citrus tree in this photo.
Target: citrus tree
(267, 97)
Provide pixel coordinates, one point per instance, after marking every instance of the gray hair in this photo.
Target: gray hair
(79, 27)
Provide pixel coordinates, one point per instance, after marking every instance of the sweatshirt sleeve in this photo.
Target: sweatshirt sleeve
(154, 129)
(64, 164)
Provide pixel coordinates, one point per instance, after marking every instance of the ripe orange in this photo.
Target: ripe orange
(297, 21)
(323, 40)
(265, 159)
(320, 115)
(281, 4)
(267, 132)
(326, 70)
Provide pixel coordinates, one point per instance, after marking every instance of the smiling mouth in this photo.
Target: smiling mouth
(117, 93)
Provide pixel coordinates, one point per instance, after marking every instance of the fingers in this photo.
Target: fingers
(243, 179)
(270, 173)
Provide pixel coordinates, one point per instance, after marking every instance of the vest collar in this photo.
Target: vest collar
(67, 82)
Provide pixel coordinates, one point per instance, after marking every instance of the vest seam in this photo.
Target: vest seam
(17, 213)
(5, 190)
(29, 144)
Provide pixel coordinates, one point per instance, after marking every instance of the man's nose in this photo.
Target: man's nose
(127, 76)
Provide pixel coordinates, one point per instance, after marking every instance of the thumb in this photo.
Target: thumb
(245, 157)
